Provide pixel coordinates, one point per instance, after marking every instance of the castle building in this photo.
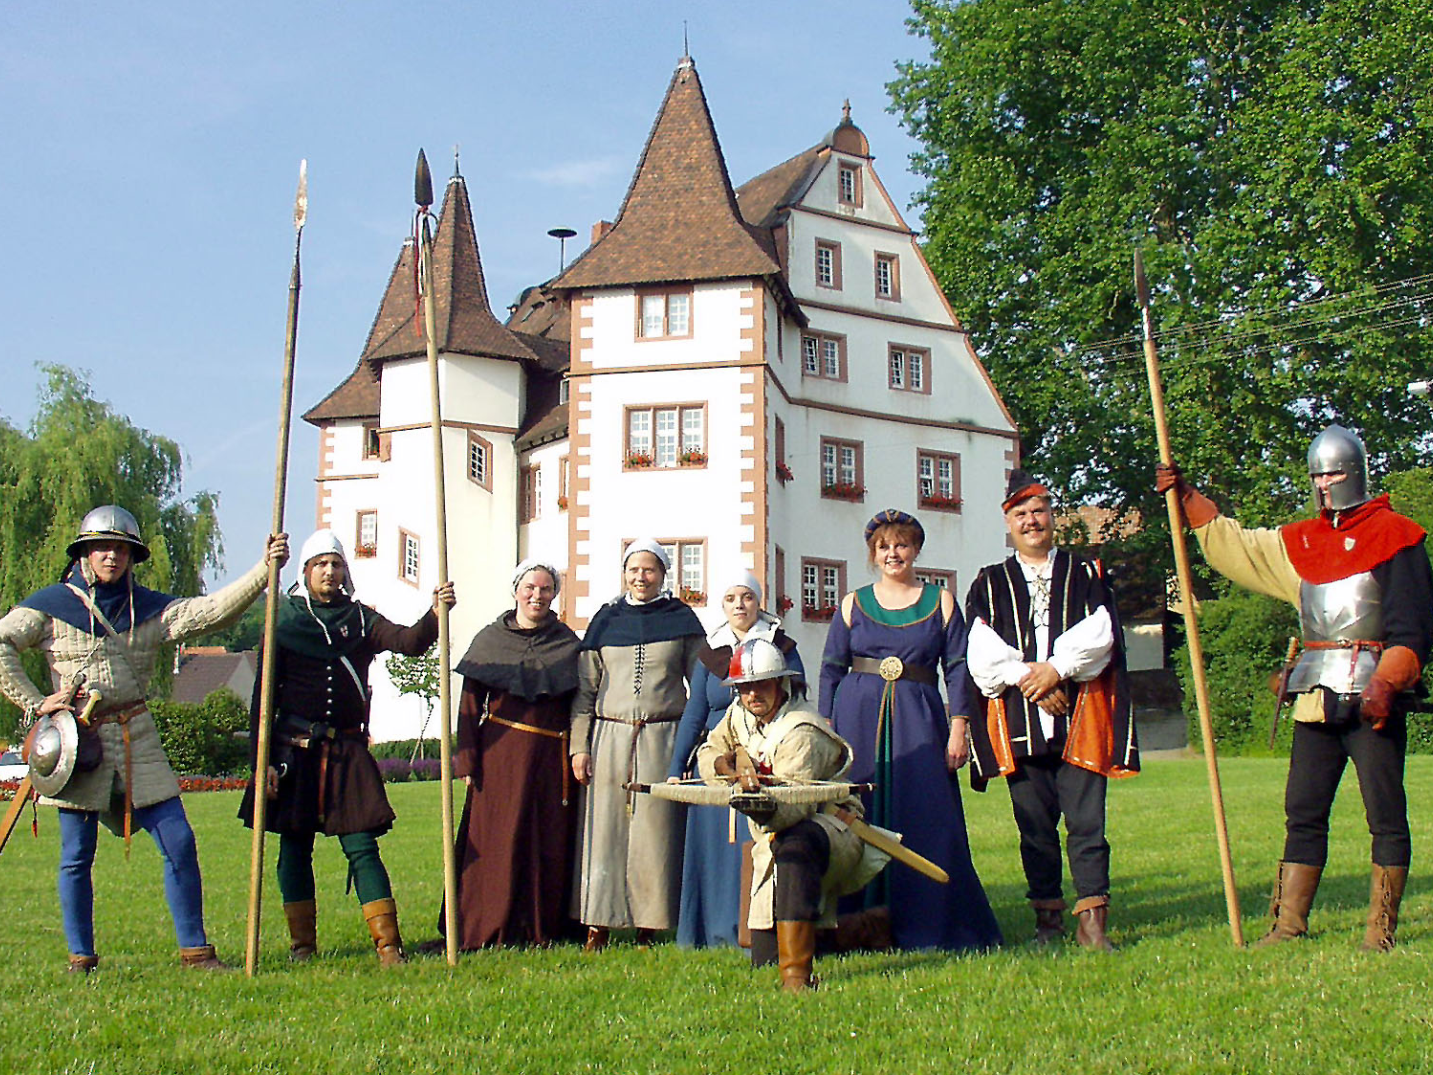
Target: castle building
(746, 374)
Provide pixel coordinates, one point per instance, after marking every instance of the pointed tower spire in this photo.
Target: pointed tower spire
(679, 220)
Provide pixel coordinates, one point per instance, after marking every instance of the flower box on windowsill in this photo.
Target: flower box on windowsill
(784, 605)
(638, 461)
(693, 597)
(783, 473)
(562, 503)
(941, 503)
(844, 491)
(365, 550)
(820, 615)
(692, 459)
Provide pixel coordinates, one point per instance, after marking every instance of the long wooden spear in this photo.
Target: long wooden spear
(1186, 591)
(423, 195)
(271, 602)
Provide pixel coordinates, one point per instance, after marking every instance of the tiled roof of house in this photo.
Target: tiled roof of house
(542, 312)
(680, 219)
(464, 322)
(546, 418)
(762, 200)
(356, 397)
(201, 674)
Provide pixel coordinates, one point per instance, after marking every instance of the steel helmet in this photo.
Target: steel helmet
(110, 522)
(754, 660)
(1338, 449)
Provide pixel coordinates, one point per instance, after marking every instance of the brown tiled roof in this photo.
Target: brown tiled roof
(203, 673)
(680, 219)
(465, 322)
(356, 397)
(542, 312)
(763, 199)
(546, 418)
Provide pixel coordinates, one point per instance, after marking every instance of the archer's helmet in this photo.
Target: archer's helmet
(110, 522)
(1338, 449)
(754, 660)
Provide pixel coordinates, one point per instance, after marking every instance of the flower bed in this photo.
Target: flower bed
(401, 770)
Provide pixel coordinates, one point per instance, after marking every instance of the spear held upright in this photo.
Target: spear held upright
(271, 599)
(423, 195)
(1186, 591)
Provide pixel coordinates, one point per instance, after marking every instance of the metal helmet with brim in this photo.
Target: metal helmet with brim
(109, 522)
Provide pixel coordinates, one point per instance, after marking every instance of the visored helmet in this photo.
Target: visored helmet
(110, 522)
(754, 660)
(1339, 449)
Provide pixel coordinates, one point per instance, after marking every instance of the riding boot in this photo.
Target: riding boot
(1294, 891)
(382, 918)
(83, 964)
(1092, 913)
(796, 950)
(1049, 920)
(202, 957)
(864, 931)
(302, 916)
(1386, 895)
(597, 938)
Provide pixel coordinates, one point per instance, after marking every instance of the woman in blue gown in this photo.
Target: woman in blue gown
(711, 865)
(892, 715)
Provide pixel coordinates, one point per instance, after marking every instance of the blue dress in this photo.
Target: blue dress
(899, 736)
(711, 865)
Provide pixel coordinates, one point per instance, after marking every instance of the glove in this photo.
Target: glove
(1198, 508)
(1376, 702)
(725, 765)
(1399, 669)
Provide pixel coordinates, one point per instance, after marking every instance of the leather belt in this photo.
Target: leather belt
(122, 715)
(549, 733)
(893, 668)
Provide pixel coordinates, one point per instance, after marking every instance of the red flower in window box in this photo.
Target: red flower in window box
(562, 503)
(784, 604)
(843, 491)
(784, 472)
(940, 503)
(638, 459)
(365, 550)
(692, 459)
(693, 597)
(822, 614)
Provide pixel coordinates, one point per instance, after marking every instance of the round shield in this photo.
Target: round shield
(54, 745)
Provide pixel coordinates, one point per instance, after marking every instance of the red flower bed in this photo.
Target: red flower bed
(213, 783)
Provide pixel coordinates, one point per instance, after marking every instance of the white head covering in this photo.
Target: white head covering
(321, 543)
(535, 563)
(741, 577)
(646, 544)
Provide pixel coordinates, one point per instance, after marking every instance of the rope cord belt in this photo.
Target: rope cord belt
(638, 724)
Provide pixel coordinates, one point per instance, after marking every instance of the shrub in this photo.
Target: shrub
(400, 770)
(208, 739)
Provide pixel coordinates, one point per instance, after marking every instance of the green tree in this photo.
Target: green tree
(78, 453)
(1270, 158)
(417, 676)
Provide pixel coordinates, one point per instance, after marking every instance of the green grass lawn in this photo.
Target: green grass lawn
(1177, 997)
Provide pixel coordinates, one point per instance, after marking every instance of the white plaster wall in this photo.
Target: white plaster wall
(546, 535)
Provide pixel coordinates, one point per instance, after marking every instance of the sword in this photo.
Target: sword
(897, 850)
(1281, 695)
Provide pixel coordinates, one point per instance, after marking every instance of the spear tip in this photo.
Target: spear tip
(301, 200)
(423, 182)
(1141, 285)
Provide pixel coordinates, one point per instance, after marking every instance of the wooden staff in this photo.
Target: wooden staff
(423, 195)
(271, 601)
(1186, 590)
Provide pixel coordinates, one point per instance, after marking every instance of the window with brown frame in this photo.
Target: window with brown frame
(823, 355)
(937, 577)
(664, 315)
(409, 557)
(908, 369)
(778, 451)
(365, 533)
(828, 264)
(371, 441)
(667, 436)
(531, 479)
(843, 471)
(822, 584)
(783, 603)
(688, 577)
(480, 461)
(888, 277)
(848, 184)
(938, 480)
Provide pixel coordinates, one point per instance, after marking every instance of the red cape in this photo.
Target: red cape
(1365, 537)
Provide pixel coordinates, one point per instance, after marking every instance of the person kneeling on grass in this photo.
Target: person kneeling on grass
(805, 856)
(321, 777)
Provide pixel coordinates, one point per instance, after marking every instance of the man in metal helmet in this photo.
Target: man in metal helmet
(1359, 575)
(322, 777)
(99, 625)
(805, 856)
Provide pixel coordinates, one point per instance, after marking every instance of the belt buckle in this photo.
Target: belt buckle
(891, 669)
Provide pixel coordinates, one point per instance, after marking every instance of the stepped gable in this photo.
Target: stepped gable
(356, 397)
(679, 220)
(464, 322)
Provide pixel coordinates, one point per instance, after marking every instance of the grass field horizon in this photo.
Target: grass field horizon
(1176, 997)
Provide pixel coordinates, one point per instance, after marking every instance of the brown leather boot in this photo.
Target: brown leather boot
(202, 958)
(1049, 921)
(597, 937)
(1092, 913)
(382, 919)
(796, 950)
(864, 931)
(645, 939)
(83, 964)
(1294, 891)
(1383, 902)
(302, 916)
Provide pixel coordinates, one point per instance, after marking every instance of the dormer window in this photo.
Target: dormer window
(848, 184)
(664, 315)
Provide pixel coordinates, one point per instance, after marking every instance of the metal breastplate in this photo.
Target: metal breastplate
(1349, 610)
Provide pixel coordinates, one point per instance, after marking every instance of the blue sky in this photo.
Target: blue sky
(152, 154)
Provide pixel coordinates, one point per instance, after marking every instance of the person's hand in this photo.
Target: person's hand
(582, 768)
(957, 747)
(1167, 476)
(1376, 702)
(444, 595)
(59, 702)
(725, 766)
(277, 549)
(1198, 508)
(271, 784)
(1055, 703)
(1039, 681)
(467, 781)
